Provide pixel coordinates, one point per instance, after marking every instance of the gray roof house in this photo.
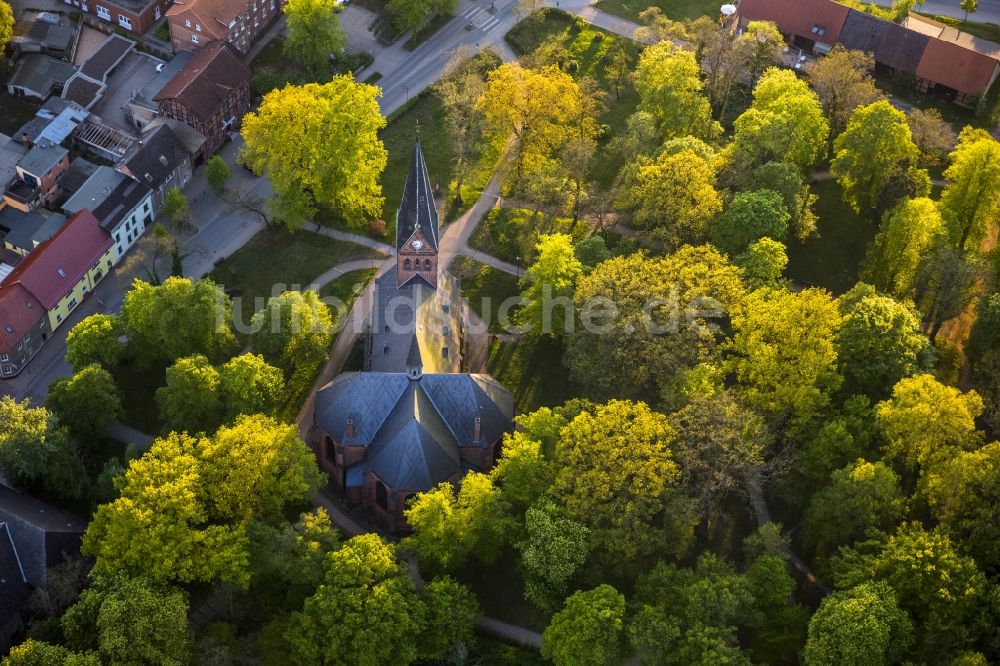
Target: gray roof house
(28, 230)
(55, 121)
(160, 160)
(123, 206)
(415, 420)
(38, 75)
(45, 32)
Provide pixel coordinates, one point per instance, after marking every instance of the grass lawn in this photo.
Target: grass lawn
(831, 258)
(500, 592)
(485, 288)
(345, 289)
(588, 49)
(532, 370)
(276, 260)
(677, 10)
(271, 68)
(510, 234)
(990, 31)
(953, 114)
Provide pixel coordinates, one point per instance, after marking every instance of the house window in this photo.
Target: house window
(104, 13)
(58, 318)
(329, 450)
(8, 370)
(444, 352)
(118, 237)
(194, 38)
(187, 23)
(27, 338)
(4, 358)
(125, 22)
(197, 26)
(145, 206)
(72, 303)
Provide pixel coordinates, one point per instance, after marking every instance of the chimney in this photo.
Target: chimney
(477, 428)
(350, 429)
(25, 140)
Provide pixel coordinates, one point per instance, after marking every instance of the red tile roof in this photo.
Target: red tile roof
(956, 67)
(17, 317)
(55, 266)
(214, 16)
(205, 82)
(799, 16)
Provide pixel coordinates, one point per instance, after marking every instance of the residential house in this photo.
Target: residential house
(193, 140)
(11, 152)
(23, 232)
(159, 160)
(80, 170)
(941, 60)
(34, 537)
(57, 276)
(211, 94)
(136, 16)
(87, 85)
(45, 32)
(415, 420)
(123, 207)
(37, 178)
(38, 75)
(196, 23)
(141, 108)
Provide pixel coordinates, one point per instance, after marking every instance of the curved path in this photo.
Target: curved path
(340, 269)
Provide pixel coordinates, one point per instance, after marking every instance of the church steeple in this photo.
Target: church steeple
(417, 225)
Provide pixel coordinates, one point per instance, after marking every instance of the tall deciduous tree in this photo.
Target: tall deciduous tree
(617, 477)
(784, 352)
(415, 14)
(95, 340)
(552, 551)
(749, 217)
(248, 385)
(294, 330)
(549, 284)
(785, 179)
(37, 653)
(6, 24)
(458, 90)
(875, 142)
(189, 401)
(319, 146)
(670, 89)
(973, 196)
(907, 235)
(931, 134)
(944, 285)
(449, 618)
(86, 402)
(843, 81)
(674, 196)
(763, 263)
(175, 207)
(139, 623)
(879, 343)
(925, 421)
(523, 471)
(535, 106)
(784, 123)
(314, 34)
(862, 625)
(178, 318)
(587, 630)
(36, 451)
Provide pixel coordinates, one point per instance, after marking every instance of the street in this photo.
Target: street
(988, 12)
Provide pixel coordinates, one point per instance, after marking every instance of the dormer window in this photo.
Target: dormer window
(187, 23)
(163, 160)
(61, 272)
(149, 179)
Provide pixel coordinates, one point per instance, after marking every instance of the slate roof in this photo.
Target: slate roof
(414, 428)
(42, 158)
(205, 82)
(27, 230)
(901, 49)
(40, 533)
(40, 73)
(76, 175)
(155, 160)
(109, 195)
(863, 32)
(417, 210)
(57, 37)
(57, 265)
(192, 139)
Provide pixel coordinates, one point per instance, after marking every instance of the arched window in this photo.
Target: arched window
(406, 264)
(427, 264)
(328, 449)
(381, 495)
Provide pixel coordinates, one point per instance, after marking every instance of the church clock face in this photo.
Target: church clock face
(417, 245)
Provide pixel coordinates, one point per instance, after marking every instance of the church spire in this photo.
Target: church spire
(417, 210)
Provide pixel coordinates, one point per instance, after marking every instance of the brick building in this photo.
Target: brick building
(196, 23)
(211, 94)
(136, 16)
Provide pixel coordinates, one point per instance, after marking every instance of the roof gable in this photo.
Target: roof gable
(203, 84)
(417, 210)
(800, 16)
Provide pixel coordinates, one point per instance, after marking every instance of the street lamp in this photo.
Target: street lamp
(518, 259)
(407, 89)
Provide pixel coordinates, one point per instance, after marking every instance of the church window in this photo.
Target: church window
(381, 495)
(406, 264)
(427, 264)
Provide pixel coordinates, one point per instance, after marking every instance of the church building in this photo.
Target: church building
(413, 418)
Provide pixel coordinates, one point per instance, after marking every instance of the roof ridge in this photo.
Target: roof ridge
(13, 547)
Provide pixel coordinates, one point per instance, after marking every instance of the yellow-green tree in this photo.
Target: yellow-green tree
(842, 80)
(6, 24)
(534, 107)
(784, 353)
(552, 276)
(972, 198)
(319, 146)
(875, 143)
(907, 235)
(669, 83)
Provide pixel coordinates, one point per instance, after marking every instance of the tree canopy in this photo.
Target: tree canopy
(587, 630)
(972, 196)
(314, 34)
(670, 89)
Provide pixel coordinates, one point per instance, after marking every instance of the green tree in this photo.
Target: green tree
(36, 653)
(862, 626)
(248, 385)
(370, 599)
(523, 472)
(907, 235)
(450, 616)
(448, 527)
(217, 172)
(749, 217)
(458, 90)
(617, 477)
(140, 624)
(931, 133)
(674, 196)
(86, 402)
(944, 285)
(972, 197)
(189, 401)
(670, 89)
(842, 80)
(970, 7)
(876, 140)
(413, 15)
(925, 421)
(860, 497)
(591, 251)
(549, 285)
(879, 343)
(666, 317)
(763, 263)
(314, 35)
(294, 330)
(785, 179)
(784, 353)
(35, 451)
(95, 340)
(552, 551)
(175, 207)
(319, 146)
(178, 318)
(784, 123)
(587, 630)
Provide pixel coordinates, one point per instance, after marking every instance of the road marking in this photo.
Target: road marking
(477, 12)
(491, 24)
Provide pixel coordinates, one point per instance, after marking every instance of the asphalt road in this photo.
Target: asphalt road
(988, 12)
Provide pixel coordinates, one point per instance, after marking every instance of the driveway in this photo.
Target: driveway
(134, 72)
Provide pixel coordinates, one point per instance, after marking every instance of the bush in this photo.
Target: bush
(376, 228)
